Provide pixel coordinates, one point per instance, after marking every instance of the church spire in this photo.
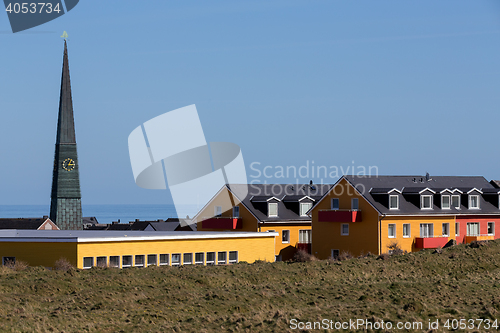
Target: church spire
(65, 205)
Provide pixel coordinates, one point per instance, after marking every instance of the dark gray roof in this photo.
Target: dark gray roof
(411, 185)
(288, 210)
(165, 226)
(22, 223)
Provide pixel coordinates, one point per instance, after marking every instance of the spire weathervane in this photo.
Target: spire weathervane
(64, 35)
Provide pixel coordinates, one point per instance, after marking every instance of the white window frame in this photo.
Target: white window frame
(445, 228)
(98, 258)
(236, 211)
(457, 229)
(232, 261)
(469, 224)
(221, 261)
(354, 200)
(428, 229)
(393, 226)
(131, 261)
(87, 266)
(488, 227)
(342, 233)
(285, 240)
(397, 201)
(305, 234)
(308, 206)
(163, 263)
(143, 260)
(189, 260)
(10, 258)
(442, 201)
(198, 262)
(470, 201)
(408, 228)
(422, 200)
(155, 259)
(111, 264)
(332, 253)
(274, 204)
(337, 200)
(218, 211)
(210, 262)
(458, 197)
(176, 263)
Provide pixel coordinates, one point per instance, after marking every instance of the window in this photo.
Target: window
(273, 209)
(406, 230)
(152, 258)
(426, 202)
(218, 211)
(9, 261)
(139, 260)
(354, 204)
(473, 201)
(114, 261)
(344, 229)
(126, 261)
(445, 202)
(446, 229)
(88, 262)
(102, 261)
(187, 259)
(334, 253)
(221, 258)
(305, 236)
(164, 259)
(392, 231)
(455, 201)
(491, 228)
(233, 257)
(457, 229)
(394, 202)
(473, 229)
(335, 204)
(210, 258)
(426, 230)
(199, 258)
(176, 259)
(236, 211)
(304, 208)
(285, 236)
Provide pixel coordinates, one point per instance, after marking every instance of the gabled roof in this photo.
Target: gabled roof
(407, 184)
(22, 223)
(384, 190)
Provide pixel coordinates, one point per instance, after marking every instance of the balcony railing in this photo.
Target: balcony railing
(339, 215)
(430, 242)
(469, 239)
(221, 222)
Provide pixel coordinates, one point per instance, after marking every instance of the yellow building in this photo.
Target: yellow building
(264, 207)
(362, 214)
(85, 249)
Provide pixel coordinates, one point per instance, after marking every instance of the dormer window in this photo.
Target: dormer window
(394, 202)
(426, 202)
(445, 202)
(304, 208)
(455, 201)
(473, 201)
(272, 209)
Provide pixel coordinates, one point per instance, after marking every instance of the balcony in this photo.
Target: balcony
(430, 242)
(219, 222)
(339, 215)
(469, 239)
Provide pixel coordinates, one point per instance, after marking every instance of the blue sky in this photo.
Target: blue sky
(407, 86)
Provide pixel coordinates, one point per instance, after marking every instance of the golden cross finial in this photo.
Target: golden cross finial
(64, 35)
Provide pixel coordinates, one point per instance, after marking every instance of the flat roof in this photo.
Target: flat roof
(89, 236)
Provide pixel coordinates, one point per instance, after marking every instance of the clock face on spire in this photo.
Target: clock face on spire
(68, 164)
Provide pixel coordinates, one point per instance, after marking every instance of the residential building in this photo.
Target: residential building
(43, 223)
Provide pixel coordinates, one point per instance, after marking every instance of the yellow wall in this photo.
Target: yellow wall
(362, 236)
(249, 222)
(39, 254)
(408, 244)
(286, 250)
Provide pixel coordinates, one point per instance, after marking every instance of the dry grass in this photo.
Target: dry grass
(463, 282)
(63, 264)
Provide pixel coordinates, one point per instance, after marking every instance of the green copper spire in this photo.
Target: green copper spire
(65, 205)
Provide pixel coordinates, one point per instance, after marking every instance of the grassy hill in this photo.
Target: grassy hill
(460, 282)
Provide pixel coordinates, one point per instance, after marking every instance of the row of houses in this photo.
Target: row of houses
(361, 214)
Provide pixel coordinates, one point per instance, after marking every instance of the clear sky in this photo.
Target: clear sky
(407, 86)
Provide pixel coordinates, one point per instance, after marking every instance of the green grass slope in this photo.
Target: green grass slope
(460, 282)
